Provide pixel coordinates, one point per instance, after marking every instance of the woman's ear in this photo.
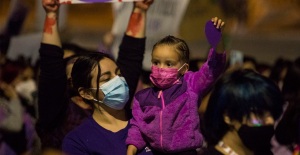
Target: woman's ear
(86, 94)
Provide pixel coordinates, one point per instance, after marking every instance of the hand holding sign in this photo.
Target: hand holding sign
(213, 31)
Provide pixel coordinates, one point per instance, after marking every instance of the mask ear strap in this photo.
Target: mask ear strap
(97, 100)
(182, 67)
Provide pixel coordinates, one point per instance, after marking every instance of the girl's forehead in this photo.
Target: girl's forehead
(165, 51)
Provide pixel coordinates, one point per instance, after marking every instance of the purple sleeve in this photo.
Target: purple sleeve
(134, 134)
(203, 79)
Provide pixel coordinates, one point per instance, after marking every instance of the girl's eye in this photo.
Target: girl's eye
(154, 63)
(169, 65)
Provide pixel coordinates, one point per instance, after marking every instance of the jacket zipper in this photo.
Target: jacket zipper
(160, 95)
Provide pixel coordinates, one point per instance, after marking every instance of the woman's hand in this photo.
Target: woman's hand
(51, 6)
(143, 5)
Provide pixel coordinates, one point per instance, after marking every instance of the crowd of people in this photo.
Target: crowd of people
(81, 101)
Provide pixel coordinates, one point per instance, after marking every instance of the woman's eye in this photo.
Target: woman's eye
(102, 81)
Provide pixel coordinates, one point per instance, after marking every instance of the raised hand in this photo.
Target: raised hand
(51, 6)
(218, 22)
(143, 5)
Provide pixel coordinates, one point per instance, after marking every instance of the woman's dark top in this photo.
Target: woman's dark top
(210, 151)
(57, 114)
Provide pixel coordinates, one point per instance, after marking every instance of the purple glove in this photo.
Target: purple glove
(213, 35)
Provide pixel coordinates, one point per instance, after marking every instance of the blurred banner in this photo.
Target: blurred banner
(26, 45)
(93, 1)
(163, 18)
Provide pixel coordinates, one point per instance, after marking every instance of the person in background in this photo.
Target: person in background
(288, 128)
(18, 135)
(264, 69)
(279, 70)
(240, 116)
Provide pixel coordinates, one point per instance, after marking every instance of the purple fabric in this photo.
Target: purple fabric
(91, 138)
(213, 35)
(172, 125)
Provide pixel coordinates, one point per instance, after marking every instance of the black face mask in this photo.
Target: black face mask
(257, 139)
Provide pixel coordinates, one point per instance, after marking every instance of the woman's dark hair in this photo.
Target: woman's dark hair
(238, 94)
(83, 66)
(78, 50)
(180, 46)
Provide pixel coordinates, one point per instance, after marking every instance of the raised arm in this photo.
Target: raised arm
(214, 66)
(52, 99)
(137, 22)
(219, 24)
(132, 48)
(50, 32)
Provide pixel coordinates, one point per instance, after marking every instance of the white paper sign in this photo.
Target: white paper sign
(93, 1)
(163, 18)
(25, 45)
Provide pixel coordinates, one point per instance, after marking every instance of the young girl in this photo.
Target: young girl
(166, 115)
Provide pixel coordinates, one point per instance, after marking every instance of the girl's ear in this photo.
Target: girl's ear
(86, 94)
(186, 68)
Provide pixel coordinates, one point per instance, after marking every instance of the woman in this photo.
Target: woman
(59, 112)
(241, 113)
(104, 85)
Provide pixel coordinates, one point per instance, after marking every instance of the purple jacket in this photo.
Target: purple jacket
(168, 120)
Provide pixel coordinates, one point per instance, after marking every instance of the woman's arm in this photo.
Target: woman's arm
(50, 32)
(132, 48)
(52, 98)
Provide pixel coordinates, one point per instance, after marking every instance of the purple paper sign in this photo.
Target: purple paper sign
(94, 1)
(213, 35)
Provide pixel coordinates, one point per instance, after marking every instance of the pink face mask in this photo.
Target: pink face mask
(164, 77)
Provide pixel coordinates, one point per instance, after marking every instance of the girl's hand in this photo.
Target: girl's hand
(51, 5)
(219, 24)
(143, 5)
